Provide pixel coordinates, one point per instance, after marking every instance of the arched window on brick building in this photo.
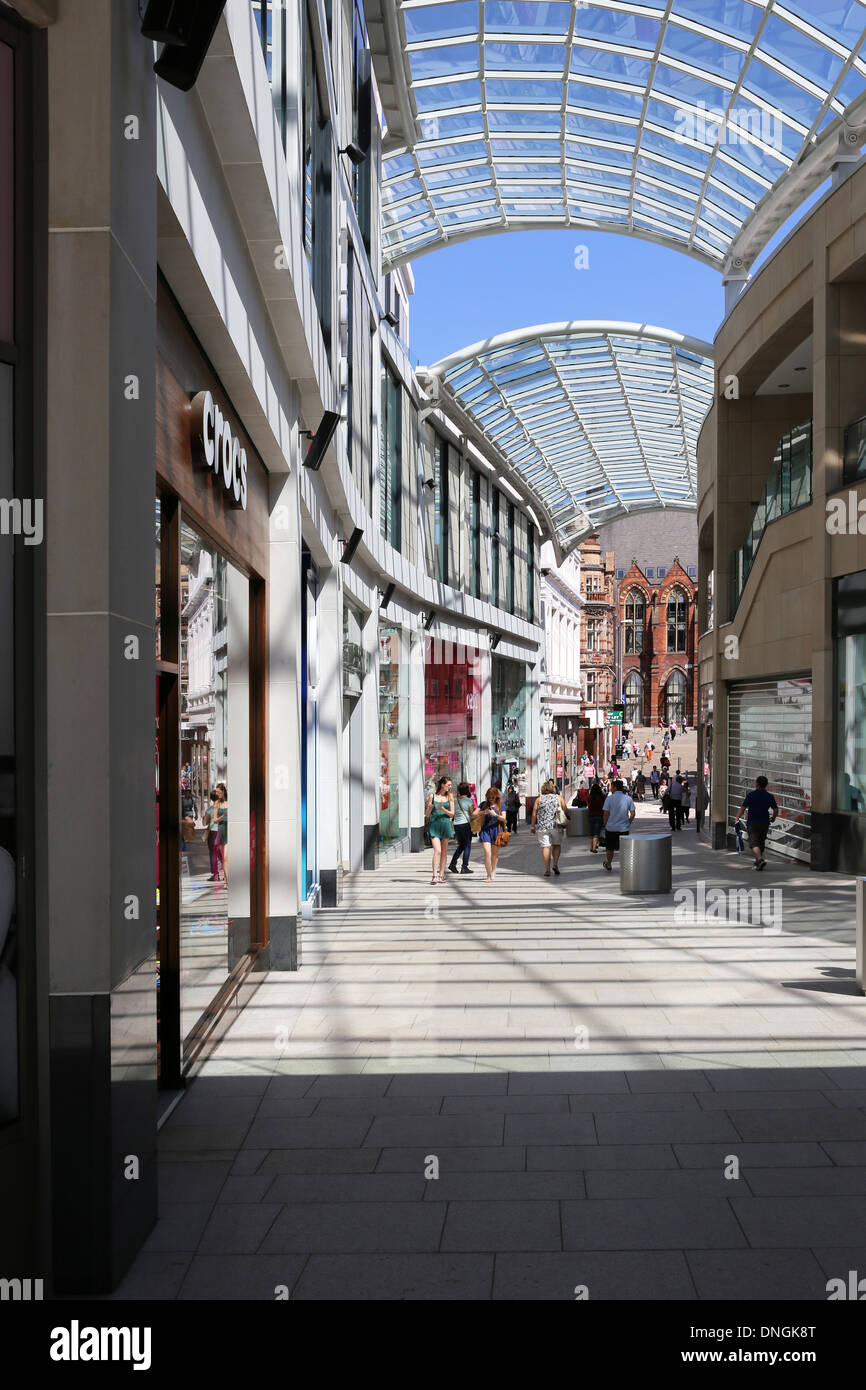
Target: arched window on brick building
(678, 608)
(633, 691)
(633, 622)
(675, 698)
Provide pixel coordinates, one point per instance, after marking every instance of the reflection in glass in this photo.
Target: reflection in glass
(393, 735)
(214, 772)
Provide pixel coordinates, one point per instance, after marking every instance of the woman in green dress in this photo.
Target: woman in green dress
(440, 809)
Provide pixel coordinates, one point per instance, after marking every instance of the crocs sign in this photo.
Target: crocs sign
(220, 449)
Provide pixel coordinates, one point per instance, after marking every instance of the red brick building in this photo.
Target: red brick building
(658, 638)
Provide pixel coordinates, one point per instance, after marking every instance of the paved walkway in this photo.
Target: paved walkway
(616, 1092)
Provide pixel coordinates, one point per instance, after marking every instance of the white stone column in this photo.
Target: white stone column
(238, 761)
(415, 652)
(330, 760)
(370, 759)
(485, 725)
(534, 740)
(284, 723)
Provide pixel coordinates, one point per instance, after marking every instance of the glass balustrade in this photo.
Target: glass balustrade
(789, 486)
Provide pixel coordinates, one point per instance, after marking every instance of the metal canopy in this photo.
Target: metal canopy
(598, 420)
(679, 121)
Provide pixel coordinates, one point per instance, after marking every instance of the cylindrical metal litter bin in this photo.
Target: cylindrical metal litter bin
(645, 863)
(578, 825)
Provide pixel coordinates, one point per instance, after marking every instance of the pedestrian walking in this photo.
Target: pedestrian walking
(619, 812)
(687, 797)
(639, 785)
(492, 828)
(512, 808)
(438, 813)
(654, 782)
(760, 809)
(675, 803)
(550, 815)
(464, 805)
(595, 807)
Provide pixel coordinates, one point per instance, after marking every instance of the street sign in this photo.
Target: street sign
(614, 716)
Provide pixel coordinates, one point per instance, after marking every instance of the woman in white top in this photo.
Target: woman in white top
(544, 821)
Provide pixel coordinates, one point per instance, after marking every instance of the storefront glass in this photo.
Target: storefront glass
(770, 734)
(8, 954)
(214, 770)
(452, 709)
(393, 735)
(704, 799)
(850, 676)
(508, 708)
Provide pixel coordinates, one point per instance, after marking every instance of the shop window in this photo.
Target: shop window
(633, 622)
(849, 627)
(451, 711)
(508, 708)
(393, 735)
(391, 459)
(677, 618)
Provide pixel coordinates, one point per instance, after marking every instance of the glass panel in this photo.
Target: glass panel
(851, 724)
(440, 21)
(508, 708)
(855, 451)
(214, 771)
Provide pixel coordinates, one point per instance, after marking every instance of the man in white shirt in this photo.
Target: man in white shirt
(675, 803)
(619, 813)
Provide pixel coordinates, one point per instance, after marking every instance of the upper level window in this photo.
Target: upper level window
(633, 622)
(593, 634)
(530, 572)
(509, 553)
(391, 459)
(316, 173)
(475, 533)
(440, 525)
(677, 614)
(494, 548)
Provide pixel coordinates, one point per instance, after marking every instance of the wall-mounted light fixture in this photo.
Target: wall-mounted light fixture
(354, 152)
(186, 28)
(495, 640)
(391, 319)
(387, 596)
(352, 545)
(320, 440)
(430, 619)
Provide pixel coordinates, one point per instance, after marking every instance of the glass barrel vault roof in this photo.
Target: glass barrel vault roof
(667, 119)
(598, 420)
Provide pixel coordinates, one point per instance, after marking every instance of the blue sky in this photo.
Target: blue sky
(470, 291)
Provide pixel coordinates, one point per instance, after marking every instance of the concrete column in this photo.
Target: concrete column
(485, 726)
(415, 645)
(330, 771)
(98, 801)
(284, 731)
(371, 753)
(534, 740)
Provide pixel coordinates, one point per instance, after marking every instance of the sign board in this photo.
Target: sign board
(614, 717)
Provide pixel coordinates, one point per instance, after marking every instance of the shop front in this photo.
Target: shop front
(770, 735)
(508, 711)
(452, 710)
(848, 833)
(211, 527)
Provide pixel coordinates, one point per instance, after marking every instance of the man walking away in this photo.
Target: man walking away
(687, 797)
(675, 811)
(760, 809)
(619, 813)
(654, 782)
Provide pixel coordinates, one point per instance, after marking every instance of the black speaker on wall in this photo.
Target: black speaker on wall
(186, 28)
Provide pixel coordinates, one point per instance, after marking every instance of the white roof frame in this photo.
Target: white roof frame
(597, 419)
